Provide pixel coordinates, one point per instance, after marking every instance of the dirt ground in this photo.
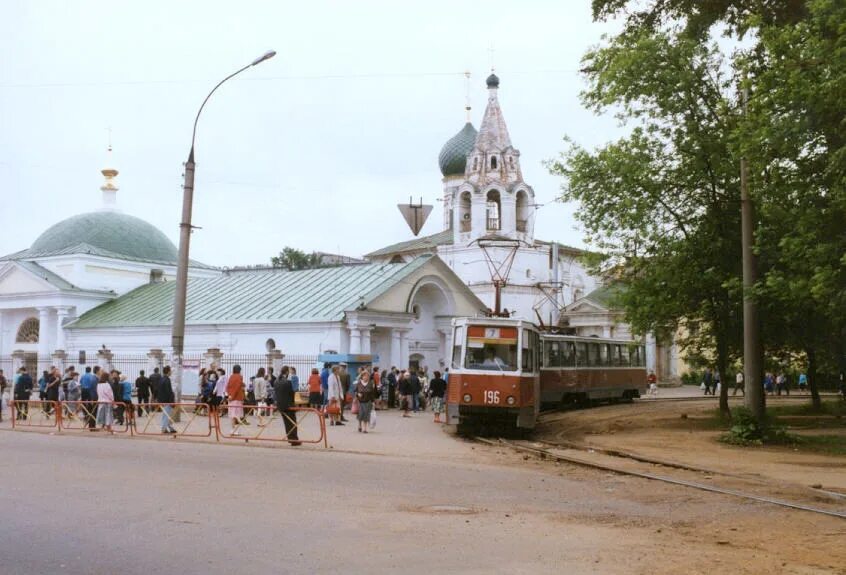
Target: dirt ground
(686, 433)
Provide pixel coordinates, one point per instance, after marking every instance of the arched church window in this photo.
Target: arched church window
(511, 161)
(493, 162)
(493, 210)
(522, 211)
(476, 163)
(464, 207)
(28, 331)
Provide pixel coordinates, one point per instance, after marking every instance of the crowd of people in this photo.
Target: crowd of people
(774, 383)
(103, 398)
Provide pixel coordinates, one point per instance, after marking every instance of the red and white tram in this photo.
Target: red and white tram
(503, 369)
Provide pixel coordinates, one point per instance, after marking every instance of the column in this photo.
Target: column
(18, 361)
(395, 348)
(274, 360)
(355, 340)
(403, 348)
(155, 359)
(212, 357)
(104, 359)
(60, 359)
(365, 339)
(61, 315)
(651, 349)
(43, 344)
(1, 335)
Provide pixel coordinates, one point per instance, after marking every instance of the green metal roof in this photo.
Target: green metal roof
(453, 157)
(112, 234)
(269, 296)
(425, 243)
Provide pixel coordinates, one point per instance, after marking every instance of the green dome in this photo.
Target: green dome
(453, 156)
(109, 233)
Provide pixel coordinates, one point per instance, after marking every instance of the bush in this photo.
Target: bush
(746, 430)
(692, 378)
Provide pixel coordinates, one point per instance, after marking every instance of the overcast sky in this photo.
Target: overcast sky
(313, 148)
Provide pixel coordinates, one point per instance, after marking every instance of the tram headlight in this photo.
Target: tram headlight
(467, 398)
(510, 400)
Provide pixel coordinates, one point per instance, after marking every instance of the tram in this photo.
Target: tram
(503, 370)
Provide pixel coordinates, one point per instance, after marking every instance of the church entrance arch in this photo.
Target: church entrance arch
(429, 300)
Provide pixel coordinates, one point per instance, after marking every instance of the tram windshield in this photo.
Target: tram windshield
(491, 348)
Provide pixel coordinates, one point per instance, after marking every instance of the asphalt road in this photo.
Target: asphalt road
(92, 505)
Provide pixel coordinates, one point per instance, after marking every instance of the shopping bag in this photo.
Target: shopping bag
(355, 406)
(373, 419)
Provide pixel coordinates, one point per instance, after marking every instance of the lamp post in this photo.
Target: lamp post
(178, 333)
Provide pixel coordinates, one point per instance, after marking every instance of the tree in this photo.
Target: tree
(798, 132)
(662, 203)
(294, 259)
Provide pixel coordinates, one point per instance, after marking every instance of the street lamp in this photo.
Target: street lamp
(178, 333)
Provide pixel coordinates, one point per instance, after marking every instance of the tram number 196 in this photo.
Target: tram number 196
(492, 397)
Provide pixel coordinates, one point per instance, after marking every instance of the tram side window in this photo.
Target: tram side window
(568, 354)
(605, 358)
(528, 361)
(553, 354)
(581, 353)
(624, 355)
(458, 338)
(593, 353)
(615, 355)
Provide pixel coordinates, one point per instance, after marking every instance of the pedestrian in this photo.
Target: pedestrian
(782, 384)
(708, 380)
(365, 393)
(346, 387)
(334, 394)
(803, 382)
(738, 383)
(414, 381)
(437, 391)
(236, 391)
(324, 384)
(314, 396)
(405, 391)
(22, 391)
(117, 393)
(142, 387)
(105, 399)
(294, 378)
(392, 387)
(284, 394)
(54, 385)
(166, 396)
(220, 387)
(73, 395)
(260, 392)
(88, 385)
(155, 381)
(3, 385)
(126, 397)
(42, 387)
(769, 384)
(423, 376)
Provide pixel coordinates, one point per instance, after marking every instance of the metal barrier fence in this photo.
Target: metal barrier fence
(274, 426)
(34, 413)
(196, 420)
(91, 415)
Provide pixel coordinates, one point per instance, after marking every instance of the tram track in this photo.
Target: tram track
(553, 452)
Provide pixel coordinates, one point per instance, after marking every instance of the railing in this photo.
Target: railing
(493, 224)
(259, 423)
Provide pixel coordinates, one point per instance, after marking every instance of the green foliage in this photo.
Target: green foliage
(747, 430)
(294, 259)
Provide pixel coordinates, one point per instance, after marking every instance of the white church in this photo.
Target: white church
(104, 279)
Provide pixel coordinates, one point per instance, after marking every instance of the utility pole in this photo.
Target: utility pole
(753, 356)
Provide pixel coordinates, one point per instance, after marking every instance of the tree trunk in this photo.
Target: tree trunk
(812, 379)
(722, 365)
